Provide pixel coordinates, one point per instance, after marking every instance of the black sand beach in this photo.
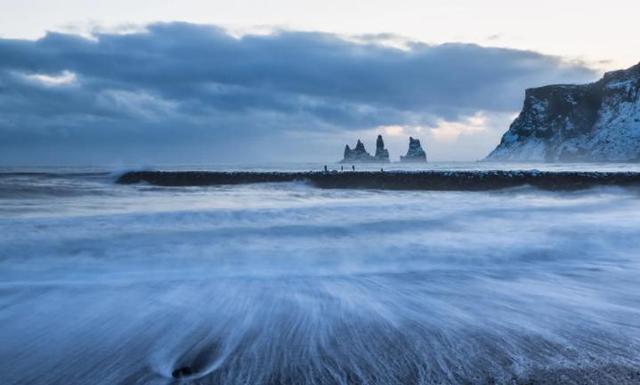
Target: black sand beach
(394, 180)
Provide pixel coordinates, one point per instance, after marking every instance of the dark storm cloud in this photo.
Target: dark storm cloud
(183, 84)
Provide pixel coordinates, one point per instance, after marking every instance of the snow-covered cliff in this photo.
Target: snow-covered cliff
(592, 122)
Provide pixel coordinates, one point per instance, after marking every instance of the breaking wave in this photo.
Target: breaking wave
(289, 284)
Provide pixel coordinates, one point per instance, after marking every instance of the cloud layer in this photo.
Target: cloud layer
(187, 93)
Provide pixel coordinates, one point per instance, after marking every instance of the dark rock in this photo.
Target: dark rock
(382, 154)
(358, 155)
(182, 372)
(590, 122)
(415, 152)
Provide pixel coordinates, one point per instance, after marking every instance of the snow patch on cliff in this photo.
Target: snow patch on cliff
(593, 122)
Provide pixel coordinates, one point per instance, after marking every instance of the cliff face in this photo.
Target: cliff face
(592, 122)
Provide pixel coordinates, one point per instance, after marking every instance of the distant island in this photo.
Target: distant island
(359, 154)
(596, 122)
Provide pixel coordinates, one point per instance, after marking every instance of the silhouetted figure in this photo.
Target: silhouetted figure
(325, 168)
(341, 168)
(382, 170)
(353, 167)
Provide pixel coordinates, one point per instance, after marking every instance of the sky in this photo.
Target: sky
(200, 82)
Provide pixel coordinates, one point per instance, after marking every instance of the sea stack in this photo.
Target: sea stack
(382, 154)
(415, 152)
(358, 155)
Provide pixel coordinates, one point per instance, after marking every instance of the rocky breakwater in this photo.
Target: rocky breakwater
(394, 180)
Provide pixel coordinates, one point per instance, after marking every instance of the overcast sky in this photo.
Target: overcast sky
(156, 82)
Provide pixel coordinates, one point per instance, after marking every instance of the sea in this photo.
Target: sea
(289, 284)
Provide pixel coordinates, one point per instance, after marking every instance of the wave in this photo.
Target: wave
(286, 283)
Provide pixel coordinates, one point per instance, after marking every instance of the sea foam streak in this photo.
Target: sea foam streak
(289, 284)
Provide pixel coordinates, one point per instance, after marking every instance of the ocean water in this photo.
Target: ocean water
(289, 284)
